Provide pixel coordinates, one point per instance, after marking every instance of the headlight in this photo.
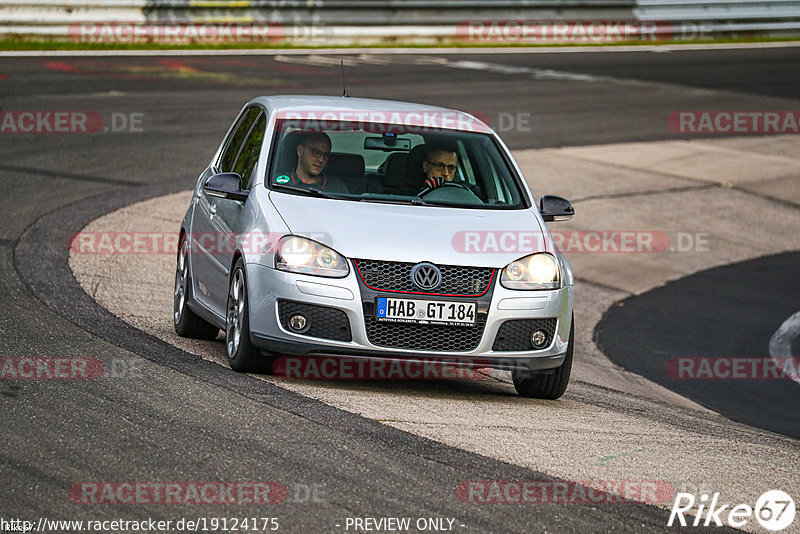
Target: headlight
(537, 271)
(301, 255)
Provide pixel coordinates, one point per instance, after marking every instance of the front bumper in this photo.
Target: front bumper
(267, 286)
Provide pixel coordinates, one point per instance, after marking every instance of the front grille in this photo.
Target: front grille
(396, 276)
(425, 337)
(516, 334)
(327, 323)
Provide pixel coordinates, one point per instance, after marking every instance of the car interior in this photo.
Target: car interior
(371, 166)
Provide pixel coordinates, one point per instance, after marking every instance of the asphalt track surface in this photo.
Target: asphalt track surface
(177, 418)
(726, 312)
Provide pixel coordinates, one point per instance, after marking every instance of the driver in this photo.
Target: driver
(439, 166)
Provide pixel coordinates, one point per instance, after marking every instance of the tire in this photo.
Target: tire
(186, 323)
(549, 385)
(243, 356)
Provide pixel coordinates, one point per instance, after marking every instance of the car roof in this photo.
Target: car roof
(332, 104)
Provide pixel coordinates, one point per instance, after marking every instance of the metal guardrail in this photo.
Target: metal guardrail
(423, 21)
(323, 12)
(708, 10)
(725, 17)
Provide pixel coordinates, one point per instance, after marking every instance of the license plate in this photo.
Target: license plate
(436, 312)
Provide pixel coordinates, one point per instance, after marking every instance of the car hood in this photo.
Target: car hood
(406, 233)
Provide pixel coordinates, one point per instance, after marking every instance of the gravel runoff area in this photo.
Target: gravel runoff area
(720, 201)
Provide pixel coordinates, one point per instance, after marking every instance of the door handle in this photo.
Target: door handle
(212, 209)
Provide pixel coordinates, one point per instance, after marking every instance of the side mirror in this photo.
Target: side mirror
(555, 208)
(226, 185)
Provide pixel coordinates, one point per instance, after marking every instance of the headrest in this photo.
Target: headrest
(416, 176)
(287, 154)
(394, 169)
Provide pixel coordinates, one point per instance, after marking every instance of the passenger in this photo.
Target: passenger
(313, 153)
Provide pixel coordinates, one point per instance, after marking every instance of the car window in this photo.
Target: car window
(251, 148)
(384, 162)
(234, 143)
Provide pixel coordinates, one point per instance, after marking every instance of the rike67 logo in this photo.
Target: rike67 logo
(774, 510)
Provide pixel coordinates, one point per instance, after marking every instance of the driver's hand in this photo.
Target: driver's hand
(432, 182)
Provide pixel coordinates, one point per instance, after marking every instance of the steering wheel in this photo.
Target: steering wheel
(458, 185)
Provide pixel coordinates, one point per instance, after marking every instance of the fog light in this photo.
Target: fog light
(538, 338)
(298, 323)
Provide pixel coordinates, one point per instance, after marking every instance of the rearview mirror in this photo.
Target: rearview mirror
(387, 143)
(555, 208)
(226, 185)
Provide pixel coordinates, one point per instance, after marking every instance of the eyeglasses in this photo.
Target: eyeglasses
(318, 153)
(439, 166)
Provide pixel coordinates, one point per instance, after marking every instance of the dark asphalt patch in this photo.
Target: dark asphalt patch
(729, 312)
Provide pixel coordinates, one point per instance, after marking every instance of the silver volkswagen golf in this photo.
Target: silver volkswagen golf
(372, 229)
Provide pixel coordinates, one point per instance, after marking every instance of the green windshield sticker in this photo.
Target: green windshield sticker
(283, 179)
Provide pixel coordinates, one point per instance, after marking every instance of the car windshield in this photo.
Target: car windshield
(393, 163)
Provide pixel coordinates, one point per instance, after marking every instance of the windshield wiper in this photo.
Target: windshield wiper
(310, 191)
(422, 202)
(413, 201)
